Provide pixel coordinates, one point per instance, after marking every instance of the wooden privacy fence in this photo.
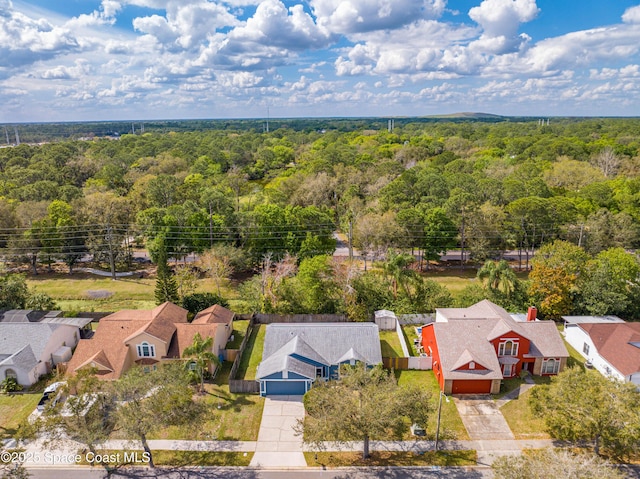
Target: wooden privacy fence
(300, 318)
(243, 386)
(395, 363)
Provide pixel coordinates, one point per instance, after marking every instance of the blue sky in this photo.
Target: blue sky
(74, 60)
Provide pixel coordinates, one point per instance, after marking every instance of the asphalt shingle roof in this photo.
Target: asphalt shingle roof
(327, 343)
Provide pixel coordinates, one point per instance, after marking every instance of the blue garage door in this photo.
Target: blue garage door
(285, 388)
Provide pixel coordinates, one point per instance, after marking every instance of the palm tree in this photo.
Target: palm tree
(201, 356)
(498, 277)
(396, 267)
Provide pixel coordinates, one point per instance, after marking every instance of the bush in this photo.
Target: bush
(196, 302)
(10, 385)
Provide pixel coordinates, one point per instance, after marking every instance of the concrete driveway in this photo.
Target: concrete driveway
(278, 445)
(482, 418)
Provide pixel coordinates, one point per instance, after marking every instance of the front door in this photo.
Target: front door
(508, 370)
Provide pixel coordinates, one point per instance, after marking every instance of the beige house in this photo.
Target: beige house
(148, 337)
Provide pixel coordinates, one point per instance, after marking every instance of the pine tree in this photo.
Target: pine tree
(166, 287)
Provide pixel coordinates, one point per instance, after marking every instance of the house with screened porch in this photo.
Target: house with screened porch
(473, 349)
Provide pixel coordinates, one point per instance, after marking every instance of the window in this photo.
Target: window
(472, 365)
(585, 348)
(550, 366)
(508, 348)
(508, 370)
(319, 372)
(146, 350)
(192, 366)
(10, 373)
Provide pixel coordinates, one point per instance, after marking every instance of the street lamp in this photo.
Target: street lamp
(439, 413)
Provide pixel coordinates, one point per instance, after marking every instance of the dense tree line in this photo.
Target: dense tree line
(422, 189)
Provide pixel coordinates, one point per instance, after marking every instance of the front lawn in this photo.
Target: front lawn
(389, 458)
(451, 426)
(15, 409)
(174, 458)
(231, 417)
(523, 423)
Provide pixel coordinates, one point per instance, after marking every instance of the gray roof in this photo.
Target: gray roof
(26, 315)
(77, 322)
(592, 319)
(468, 331)
(24, 343)
(326, 343)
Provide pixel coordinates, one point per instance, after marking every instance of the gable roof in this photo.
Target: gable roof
(613, 342)
(214, 314)
(325, 343)
(183, 338)
(464, 335)
(108, 346)
(22, 344)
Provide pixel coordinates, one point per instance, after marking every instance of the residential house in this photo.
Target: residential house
(296, 355)
(33, 342)
(148, 337)
(474, 348)
(609, 344)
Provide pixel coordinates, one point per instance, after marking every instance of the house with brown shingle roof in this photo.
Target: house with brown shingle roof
(612, 347)
(148, 337)
(474, 348)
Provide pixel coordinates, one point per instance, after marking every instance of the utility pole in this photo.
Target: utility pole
(6, 132)
(15, 128)
(111, 261)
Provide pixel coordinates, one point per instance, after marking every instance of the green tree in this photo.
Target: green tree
(552, 281)
(166, 287)
(440, 234)
(365, 404)
(86, 416)
(544, 464)
(196, 302)
(396, 268)
(201, 357)
(13, 291)
(153, 400)
(498, 277)
(609, 284)
(581, 405)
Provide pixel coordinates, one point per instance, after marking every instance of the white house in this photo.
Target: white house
(29, 350)
(608, 343)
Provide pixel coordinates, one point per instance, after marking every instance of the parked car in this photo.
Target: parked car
(50, 394)
(418, 430)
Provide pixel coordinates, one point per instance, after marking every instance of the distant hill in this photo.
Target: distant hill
(469, 115)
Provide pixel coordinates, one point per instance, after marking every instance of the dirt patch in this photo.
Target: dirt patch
(99, 294)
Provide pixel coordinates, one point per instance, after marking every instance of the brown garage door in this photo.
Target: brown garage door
(472, 387)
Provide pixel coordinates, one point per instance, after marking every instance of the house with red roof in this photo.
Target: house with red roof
(148, 337)
(473, 349)
(611, 345)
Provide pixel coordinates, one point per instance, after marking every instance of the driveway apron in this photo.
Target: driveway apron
(278, 445)
(482, 418)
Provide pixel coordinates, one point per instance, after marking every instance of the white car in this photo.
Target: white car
(50, 393)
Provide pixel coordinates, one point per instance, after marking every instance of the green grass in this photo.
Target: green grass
(71, 292)
(14, 409)
(240, 327)
(388, 458)
(523, 423)
(252, 355)
(451, 426)
(575, 358)
(177, 458)
(409, 331)
(390, 345)
(231, 417)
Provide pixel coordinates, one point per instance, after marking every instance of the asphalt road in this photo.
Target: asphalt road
(245, 473)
